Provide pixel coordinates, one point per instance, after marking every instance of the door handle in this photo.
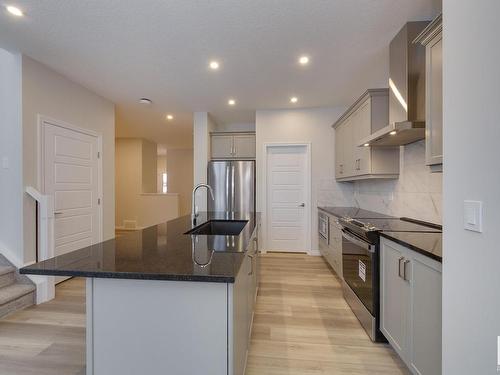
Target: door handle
(404, 269)
(58, 213)
(399, 267)
(302, 205)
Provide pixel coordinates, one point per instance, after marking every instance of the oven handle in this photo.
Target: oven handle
(359, 242)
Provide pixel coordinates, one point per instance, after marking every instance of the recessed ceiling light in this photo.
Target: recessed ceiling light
(231, 102)
(304, 60)
(145, 101)
(170, 117)
(14, 11)
(294, 99)
(366, 144)
(394, 132)
(214, 65)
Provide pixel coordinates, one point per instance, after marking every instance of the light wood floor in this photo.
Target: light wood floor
(302, 325)
(48, 339)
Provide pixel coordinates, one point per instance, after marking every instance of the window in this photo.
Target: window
(164, 183)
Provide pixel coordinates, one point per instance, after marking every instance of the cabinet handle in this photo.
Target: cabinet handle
(404, 269)
(251, 265)
(399, 267)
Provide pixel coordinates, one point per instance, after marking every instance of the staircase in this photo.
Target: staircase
(16, 291)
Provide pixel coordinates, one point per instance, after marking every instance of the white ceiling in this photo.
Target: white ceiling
(127, 49)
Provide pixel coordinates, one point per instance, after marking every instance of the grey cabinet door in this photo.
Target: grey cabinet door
(240, 319)
(434, 110)
(336, 246)
(244, 146)
(425, 316)
(394, 297)
(222, 146)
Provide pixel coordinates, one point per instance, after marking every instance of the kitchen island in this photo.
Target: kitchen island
(174, 298)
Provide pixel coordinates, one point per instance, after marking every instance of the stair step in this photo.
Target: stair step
(6, 269)
(15, 297)
(7, 275)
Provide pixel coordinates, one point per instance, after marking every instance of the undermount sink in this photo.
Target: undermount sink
(219, 228)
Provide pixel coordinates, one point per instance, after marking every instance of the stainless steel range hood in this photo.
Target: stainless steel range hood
(406, 91)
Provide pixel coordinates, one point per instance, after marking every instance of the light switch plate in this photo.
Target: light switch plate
(473, 216)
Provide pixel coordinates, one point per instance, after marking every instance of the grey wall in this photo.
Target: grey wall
(47, 93)
(11, 169)
(471, 276)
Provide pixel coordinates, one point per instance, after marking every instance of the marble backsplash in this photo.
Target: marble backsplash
(417, 193)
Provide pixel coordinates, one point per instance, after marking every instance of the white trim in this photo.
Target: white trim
(89, 331)
(308, 185)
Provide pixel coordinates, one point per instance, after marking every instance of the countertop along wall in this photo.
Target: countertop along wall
(47, 93)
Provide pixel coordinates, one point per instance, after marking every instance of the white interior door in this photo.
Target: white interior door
(286, 198)
(71, 175)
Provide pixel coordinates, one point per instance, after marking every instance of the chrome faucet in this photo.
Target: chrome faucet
(194, 210)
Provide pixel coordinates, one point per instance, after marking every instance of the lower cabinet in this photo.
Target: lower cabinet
(410, 306)
(336, 246)
(243, 296)
(331, 247)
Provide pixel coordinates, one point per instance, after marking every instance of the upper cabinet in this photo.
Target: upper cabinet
(432, 39)
(367, 115)
(233, 145)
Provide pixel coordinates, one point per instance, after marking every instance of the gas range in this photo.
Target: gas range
(369, 228)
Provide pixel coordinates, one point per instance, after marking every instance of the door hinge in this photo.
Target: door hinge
(98, 155)
(99, 201)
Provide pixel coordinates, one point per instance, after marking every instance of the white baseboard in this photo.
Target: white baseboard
(45, 288)
(314, 253)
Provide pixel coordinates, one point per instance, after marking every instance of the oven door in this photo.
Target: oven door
(359, 269)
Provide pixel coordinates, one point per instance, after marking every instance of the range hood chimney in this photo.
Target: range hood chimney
(406, 90)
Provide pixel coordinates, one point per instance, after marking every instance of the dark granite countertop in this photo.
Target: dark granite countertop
(353, 212)
(428, 244)
(160, 252)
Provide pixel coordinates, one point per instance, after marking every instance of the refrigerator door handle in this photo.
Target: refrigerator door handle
(227, 187)
(233, 188)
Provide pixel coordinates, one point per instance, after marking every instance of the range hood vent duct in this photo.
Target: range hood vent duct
(406, 90)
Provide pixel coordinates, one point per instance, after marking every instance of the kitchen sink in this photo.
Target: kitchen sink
(219, 228)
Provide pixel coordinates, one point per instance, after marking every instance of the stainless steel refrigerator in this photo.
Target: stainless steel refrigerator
(233, 183)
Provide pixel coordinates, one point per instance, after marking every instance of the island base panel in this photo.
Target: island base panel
(156, 327)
